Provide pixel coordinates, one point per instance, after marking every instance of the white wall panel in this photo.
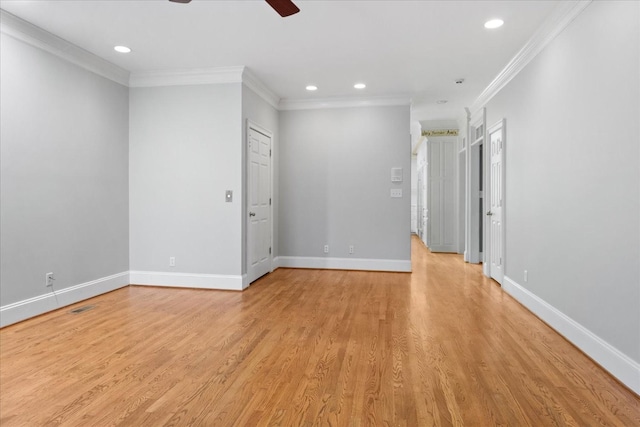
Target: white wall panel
(335, 183)
(573, 174)
(64, 174)
(185, 152)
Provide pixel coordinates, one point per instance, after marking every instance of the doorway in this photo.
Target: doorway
(462, 188)
(421, 208)
(475, 223)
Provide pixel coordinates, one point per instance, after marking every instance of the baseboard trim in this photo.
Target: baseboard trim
(188, 280)
(610, 358)
(394, 265)
(22, 310)
(446, 249)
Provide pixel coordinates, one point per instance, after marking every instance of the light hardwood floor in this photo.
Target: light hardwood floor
(440, 346)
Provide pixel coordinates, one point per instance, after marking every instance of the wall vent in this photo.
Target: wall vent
(82, 309)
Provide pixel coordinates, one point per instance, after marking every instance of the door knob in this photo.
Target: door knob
(489, 213)
(252, 214)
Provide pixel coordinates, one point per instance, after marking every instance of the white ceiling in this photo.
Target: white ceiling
(398, 48)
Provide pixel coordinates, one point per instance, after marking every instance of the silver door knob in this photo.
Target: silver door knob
(252, 214)
(489, 213)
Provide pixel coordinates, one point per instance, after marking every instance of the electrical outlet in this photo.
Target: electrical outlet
(526, 276)
(326, 249)
(351, 249)
(172, 261)
(49, 280)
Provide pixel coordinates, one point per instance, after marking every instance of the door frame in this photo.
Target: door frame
(500, 125)
(476, 135)
(245, 208)
(461, 194)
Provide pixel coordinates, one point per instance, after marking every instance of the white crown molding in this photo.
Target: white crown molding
(312, 104)
(560, 18)
(182, 77)
(253, 83)
(28, 33)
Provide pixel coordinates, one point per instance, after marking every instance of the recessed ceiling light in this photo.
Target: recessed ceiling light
(359, 85)
(441, 101)
(494, 23)
(312, 87)
(122, 49)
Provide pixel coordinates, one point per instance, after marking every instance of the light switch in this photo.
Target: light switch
(228, 196)
(396, 192)
(396, 174)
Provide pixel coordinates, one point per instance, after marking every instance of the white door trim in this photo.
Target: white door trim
(476, 135)
(245, 208)
(461, 188)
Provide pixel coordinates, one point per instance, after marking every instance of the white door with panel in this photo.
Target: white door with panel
(441, 163)
(496, 202)
(259, 204)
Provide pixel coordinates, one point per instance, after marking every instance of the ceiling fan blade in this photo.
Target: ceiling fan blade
(283, 7)
(180, 1)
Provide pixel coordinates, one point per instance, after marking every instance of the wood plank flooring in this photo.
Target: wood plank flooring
(441, 346)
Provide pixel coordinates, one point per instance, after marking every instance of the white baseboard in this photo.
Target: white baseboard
(395, 265)
(275, 263)
(22, 310)
(188, 280)
(610, 358)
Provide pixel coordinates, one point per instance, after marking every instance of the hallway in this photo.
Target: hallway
(440, 346)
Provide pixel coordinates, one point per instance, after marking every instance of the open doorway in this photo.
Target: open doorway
(476, 194)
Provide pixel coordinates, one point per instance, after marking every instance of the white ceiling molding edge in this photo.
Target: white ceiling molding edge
(253, 83)
(196, 76)
(312, 104)
(557, 21)
(28, 33)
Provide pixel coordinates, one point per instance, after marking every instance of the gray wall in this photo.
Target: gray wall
(185, 151)
(573, 180)
(257, 110)
(335, 179)
(64, 173)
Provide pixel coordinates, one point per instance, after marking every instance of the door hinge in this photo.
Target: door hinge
(269, 250)
(269, 152)
(269, 201)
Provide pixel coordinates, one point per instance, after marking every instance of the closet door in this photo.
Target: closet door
(441, 197)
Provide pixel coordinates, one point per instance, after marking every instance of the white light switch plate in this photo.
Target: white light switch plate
(396, 192)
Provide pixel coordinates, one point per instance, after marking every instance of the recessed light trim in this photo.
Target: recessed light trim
(441, 101)
(494, 23)
(122, 49)
(359, 85)
(311, 88)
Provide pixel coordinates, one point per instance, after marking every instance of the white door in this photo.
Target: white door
(259, 204)
(495, 213)
(441, 195)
